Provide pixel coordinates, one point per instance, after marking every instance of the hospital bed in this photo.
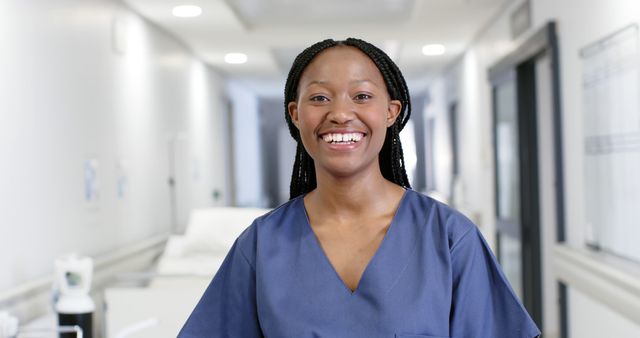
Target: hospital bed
(160, 306)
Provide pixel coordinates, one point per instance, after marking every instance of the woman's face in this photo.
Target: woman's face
(343, 111)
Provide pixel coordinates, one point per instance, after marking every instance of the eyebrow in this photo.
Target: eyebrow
(323, 82)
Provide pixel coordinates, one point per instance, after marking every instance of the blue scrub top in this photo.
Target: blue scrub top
(432, 276)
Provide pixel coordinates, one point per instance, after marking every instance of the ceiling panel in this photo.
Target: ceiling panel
(256, 13)
(273, 32)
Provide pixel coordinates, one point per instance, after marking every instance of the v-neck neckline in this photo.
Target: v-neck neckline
(317, 246)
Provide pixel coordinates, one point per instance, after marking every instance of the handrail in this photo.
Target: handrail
(606, 278)
(33, 287)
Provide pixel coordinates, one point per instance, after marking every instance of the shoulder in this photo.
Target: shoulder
(268, 225)
(275, 218)
(450, 222)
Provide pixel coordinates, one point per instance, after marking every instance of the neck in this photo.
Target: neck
(369, 191)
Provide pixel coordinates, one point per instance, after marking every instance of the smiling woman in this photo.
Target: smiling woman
(356, 252)
(341, 98)
(389, 81)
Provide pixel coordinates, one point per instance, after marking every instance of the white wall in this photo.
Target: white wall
(249, 190)
(67, 96)
(589, 318)
(437, 109)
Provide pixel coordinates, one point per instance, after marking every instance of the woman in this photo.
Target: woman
(355, 252)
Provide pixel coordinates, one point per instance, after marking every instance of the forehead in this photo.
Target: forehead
(336, 63)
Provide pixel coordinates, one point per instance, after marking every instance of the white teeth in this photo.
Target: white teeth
(342, 138)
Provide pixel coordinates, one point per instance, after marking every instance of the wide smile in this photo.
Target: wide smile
(342, 138)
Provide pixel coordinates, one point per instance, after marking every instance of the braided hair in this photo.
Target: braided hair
(391, 159)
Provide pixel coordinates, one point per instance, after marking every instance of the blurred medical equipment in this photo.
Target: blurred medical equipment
(9, 328)
(74, 305)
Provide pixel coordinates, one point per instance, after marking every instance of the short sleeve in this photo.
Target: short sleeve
(484, 305)
(228, 306)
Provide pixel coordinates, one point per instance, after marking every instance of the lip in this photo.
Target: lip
(342, 147)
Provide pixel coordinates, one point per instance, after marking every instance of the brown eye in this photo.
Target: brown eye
(319, 98)
(362, 97)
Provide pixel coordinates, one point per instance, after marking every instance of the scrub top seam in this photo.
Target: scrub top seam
(245, 257)
(410, 256)
(466, 233)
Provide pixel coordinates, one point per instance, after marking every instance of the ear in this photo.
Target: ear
(395, 106)
(292, 107)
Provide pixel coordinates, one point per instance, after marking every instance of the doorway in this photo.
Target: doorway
(528, 172)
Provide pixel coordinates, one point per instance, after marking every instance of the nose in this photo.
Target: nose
(341, 111)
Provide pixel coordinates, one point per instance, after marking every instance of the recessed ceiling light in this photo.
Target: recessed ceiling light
(433, 50)
(235, 58)
(186, 11)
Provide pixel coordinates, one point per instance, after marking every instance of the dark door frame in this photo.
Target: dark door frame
(452, 111)
(522, 61)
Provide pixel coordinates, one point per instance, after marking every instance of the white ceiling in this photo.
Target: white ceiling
(273, 32)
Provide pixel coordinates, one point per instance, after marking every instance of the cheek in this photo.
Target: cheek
(306, 127)
(379, 141)
(307, 121)
(380, 131)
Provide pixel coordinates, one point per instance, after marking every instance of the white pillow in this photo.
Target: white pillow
(213, 230)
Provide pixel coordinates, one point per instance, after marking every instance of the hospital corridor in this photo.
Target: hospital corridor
(140, 138)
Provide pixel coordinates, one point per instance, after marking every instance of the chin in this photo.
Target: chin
(345, 169)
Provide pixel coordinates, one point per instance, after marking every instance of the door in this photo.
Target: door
(528, 172)
(507, 167)
(517, 183)
(549, 185)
